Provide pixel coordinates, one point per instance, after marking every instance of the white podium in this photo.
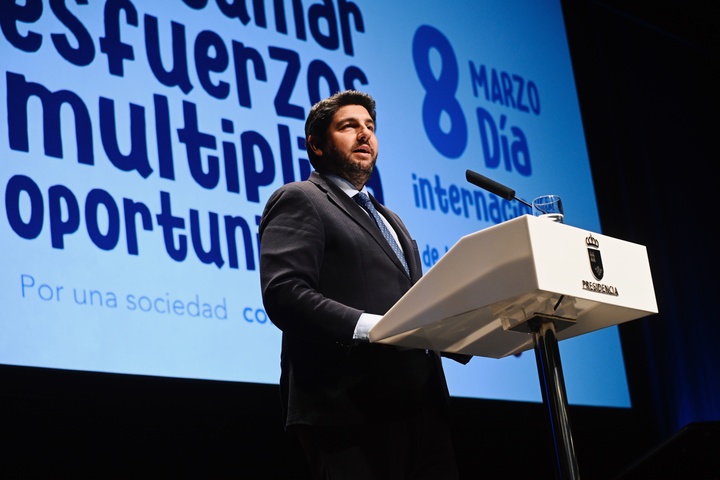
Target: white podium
(525, 283)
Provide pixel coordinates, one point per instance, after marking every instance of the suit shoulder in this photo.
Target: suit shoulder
(303, 188)
(297, 198)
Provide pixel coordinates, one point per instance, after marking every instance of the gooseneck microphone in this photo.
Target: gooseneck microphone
(493, 187)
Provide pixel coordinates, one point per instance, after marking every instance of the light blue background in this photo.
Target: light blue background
(525, 38)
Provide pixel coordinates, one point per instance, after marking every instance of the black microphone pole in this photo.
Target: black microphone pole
(493, 187)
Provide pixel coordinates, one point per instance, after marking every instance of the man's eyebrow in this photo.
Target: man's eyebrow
(353, 118)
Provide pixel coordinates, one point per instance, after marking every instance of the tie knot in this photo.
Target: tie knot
(362, 199)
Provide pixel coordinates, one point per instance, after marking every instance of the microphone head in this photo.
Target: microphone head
(490, 185)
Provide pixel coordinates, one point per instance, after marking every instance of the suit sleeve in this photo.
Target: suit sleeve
(292, 243)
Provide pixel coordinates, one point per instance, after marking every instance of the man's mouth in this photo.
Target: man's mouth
(363, 149)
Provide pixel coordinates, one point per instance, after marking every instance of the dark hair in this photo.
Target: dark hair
(322, 113)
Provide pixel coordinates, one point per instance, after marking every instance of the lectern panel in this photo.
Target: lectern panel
(491, 281)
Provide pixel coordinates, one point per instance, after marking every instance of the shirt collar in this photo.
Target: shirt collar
(344, 185)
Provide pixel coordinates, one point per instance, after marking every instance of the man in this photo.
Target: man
(360, 410)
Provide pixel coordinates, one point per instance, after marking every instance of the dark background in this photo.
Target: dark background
(648, 91)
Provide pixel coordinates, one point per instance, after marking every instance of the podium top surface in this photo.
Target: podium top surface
(477, 297)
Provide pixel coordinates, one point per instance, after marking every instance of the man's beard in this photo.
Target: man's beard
(356, 173)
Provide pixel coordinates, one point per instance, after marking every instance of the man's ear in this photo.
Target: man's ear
(313, 146)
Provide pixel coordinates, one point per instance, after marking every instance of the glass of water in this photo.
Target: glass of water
(549, 206)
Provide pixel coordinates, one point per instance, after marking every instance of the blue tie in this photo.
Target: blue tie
(364, 201)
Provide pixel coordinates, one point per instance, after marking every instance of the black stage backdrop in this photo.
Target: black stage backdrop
(649, 99)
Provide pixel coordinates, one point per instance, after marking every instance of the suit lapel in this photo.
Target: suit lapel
(340, 199)
(406, 241)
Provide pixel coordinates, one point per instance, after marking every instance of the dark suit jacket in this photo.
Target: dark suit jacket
(322, 263)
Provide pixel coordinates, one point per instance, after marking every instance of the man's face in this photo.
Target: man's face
(351, 148)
